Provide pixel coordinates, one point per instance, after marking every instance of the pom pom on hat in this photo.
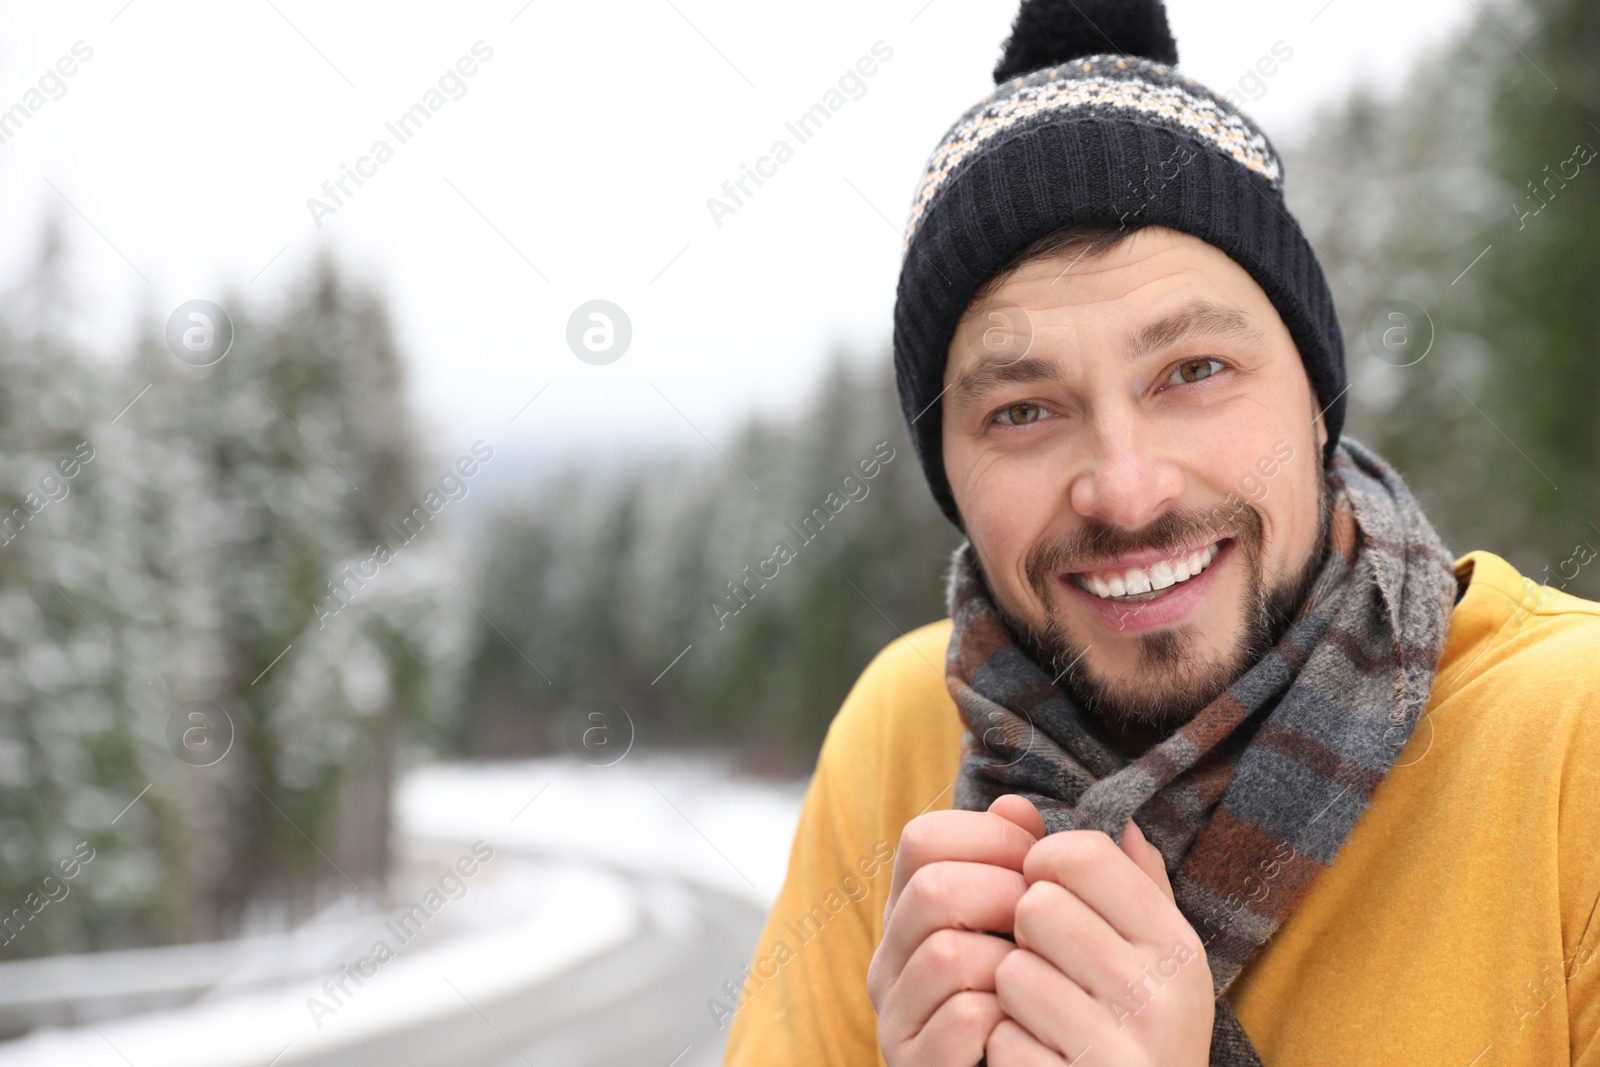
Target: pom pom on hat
(1049, 33)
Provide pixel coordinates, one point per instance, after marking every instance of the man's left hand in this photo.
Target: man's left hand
(1106, 963)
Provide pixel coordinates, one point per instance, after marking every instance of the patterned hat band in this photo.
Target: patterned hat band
(1101, 86)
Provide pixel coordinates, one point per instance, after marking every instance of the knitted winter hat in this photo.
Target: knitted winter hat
(1087, 123)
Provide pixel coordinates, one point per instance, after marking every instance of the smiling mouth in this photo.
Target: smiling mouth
(1148, 581)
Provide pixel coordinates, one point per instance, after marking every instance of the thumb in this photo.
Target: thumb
(1147, 858)
(1019, 810)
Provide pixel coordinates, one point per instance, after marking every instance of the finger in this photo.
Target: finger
(957, 1033)
(946, 963)
(1053, 1010)
(1147, 858)
(1019, 810)
(1097, 872)
(1012, 1046)
(969, 836)
(965, 896)
(1069, 935)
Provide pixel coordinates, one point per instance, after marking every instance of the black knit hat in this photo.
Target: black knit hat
(1087, 116)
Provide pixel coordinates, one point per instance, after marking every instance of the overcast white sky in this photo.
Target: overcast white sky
(576, 166)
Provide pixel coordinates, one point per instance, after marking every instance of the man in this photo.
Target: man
(1199, 648)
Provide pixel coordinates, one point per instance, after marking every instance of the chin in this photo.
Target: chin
(1152, 680)
(1174, 673)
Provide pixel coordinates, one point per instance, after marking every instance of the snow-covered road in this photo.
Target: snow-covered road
(547, 912)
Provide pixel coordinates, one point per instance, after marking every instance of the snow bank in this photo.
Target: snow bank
(682, 818)
(254, 1029)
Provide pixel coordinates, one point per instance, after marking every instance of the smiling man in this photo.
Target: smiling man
(1221, 756)
(1156, 594)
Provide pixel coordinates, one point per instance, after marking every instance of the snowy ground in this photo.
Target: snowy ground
(682, 818)
(613, 902)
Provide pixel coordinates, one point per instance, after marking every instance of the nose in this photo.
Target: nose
(1126, 477)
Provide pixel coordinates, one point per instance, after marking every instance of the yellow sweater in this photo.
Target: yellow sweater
(1457, 926)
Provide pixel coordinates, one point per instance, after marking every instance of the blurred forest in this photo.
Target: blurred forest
(714, 599)
(1495, 428)
(606, 582)
(1481, 155)
(169, 532)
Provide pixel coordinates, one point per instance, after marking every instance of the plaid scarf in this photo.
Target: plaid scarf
(1257, 793)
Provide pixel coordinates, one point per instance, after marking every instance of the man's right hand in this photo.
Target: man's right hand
(956, 875)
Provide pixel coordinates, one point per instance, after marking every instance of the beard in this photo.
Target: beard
(1173, 681)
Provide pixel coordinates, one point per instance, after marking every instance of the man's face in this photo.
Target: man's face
(1142, 480)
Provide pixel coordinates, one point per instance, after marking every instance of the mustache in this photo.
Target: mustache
(1097, 542)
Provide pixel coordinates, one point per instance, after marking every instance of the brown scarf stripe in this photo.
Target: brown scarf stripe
(1257, 793)
(1232, 838)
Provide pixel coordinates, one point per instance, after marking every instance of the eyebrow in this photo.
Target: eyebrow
(979, 380)
(1202, 318)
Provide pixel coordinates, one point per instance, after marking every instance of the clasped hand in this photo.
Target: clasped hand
(1104, 968)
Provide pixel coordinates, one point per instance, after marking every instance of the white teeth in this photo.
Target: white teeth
(1159, 575)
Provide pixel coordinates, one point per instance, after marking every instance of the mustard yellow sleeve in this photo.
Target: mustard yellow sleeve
(1574, 681)
(889, 753)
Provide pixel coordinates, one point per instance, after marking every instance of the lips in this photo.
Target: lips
(1134, 580)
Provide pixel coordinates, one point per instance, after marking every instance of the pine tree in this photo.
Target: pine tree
(173, 535)
(1450, 196)
(606, 582)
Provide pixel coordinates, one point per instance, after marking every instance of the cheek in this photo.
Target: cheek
(1303, 505)
(1007, 509)
(1290, 513)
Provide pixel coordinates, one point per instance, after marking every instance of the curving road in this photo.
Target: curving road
(642, 1005)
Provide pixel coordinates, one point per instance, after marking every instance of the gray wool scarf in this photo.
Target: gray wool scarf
(1257, 793)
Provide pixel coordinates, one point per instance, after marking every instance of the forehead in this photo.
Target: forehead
(1151, 274)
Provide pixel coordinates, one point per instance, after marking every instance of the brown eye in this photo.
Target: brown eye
(1020, 414)
(1194, 370)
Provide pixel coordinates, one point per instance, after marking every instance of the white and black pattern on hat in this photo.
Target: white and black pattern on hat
(1124, 87)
